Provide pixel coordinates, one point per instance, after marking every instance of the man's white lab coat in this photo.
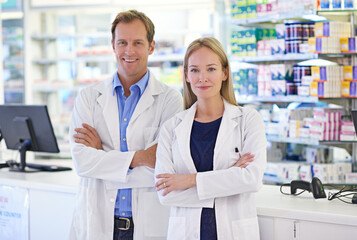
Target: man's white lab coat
(103, 172)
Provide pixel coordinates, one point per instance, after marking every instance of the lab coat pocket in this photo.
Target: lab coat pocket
(156, 215)
(177, 227)
(150, 135)
(82, 215)
(246, 229)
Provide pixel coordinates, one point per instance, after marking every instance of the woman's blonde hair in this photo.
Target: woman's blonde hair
(227, 91)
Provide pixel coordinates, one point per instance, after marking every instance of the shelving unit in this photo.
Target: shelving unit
(286, 99)
(277, 16)
(306, 141)
(298, 14)
(274, 58)
(12, 74)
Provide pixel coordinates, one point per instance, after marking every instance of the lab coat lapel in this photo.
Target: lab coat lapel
(230, 119)
(147, 99)
(183, 135)
(109, 104)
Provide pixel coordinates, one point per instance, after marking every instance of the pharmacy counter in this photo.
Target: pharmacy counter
(283, 217)
(52, 199)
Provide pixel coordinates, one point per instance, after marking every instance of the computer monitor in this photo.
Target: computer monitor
(28, 128)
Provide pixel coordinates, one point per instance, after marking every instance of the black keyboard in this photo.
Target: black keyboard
(48, 168)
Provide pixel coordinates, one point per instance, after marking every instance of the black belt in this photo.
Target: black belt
(123, 223)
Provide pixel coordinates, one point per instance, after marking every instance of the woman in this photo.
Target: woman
(199, 169)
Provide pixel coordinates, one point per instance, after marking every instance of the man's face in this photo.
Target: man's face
(132, 49)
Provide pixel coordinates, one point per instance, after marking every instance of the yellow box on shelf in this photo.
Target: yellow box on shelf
(312, 44)
(313, 88)
(344, 44)
(349, 89)
(349, 73)
(315, 73)
(319, 29)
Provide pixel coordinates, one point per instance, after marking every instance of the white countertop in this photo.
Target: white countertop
(270, 202)
(66, 181)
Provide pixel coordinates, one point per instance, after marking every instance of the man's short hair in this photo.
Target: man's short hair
(131, 15)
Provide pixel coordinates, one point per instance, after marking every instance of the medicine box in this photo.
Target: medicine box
(324, 4)
(349, 73)
(241, 12)
(336, 4)
(241, 2)
(312, 44)
(344, 44)
(319, 29)
(349, 4)
(349, 89)
(251, 11)
(315, 73)
(352, 44)
(280, 31)
(251, 49)
(313, 88)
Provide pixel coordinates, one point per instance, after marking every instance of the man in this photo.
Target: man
(114, 130)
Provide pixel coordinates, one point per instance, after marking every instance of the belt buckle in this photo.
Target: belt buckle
(127, 223)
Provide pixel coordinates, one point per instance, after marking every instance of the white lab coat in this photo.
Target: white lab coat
(229, 189)
(104, 172)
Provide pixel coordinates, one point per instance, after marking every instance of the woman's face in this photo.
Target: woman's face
(205, 73)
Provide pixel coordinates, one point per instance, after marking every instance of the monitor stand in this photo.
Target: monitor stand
(31, 167)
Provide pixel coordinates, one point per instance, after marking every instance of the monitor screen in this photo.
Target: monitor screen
(28, 128)
(19, 122)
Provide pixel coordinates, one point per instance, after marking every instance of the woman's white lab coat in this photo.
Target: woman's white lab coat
(104, 172)
(229, 189)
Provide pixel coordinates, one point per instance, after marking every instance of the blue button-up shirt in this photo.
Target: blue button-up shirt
(126, 108)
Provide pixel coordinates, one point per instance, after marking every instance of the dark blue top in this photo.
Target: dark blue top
(203, 141)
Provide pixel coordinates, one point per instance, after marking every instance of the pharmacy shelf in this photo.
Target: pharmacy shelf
(337, 142)
(91, 58)
(291, 98)
(109, 58)
(337, 55)
(336, 11)
(307, 141)
(279, 16)
(289, 57)
(65, 35)
(272, 58)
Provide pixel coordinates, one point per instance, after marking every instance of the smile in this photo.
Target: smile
(203, 87)
(129, 60)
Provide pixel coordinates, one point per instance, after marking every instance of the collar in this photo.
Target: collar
(230, 110)
(141, 84)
